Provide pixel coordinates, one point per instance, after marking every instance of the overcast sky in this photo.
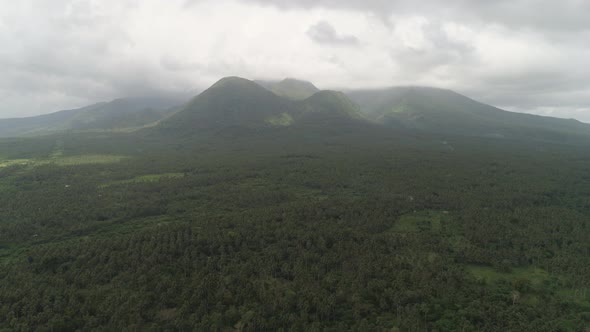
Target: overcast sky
(522, 55)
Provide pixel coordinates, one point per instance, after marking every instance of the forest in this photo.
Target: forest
(372, 230)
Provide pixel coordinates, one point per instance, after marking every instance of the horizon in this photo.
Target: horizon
(89, 51)
(187, 96)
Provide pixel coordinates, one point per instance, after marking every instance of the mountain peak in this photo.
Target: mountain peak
(290, 88)
(232, 81)
(231, 102)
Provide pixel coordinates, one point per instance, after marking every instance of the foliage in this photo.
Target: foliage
(119, 114)
(290, 231)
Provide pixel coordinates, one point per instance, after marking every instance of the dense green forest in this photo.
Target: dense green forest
(294, 230)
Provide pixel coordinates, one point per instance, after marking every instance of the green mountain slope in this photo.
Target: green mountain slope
(232, 102)
(329, 106)
(447, 112)
(236, 106)
(118, 114)
(290, 88)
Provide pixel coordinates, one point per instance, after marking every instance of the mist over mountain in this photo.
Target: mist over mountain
(119, 114)
(447, 112)
(290, 88)
(330, 108)
(235, 102)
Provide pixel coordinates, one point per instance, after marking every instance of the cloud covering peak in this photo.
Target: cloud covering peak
(523, 55)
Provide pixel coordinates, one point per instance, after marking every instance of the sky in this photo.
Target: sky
(521, 55)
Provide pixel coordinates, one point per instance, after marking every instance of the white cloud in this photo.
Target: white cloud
(83, 51)
(324, 33)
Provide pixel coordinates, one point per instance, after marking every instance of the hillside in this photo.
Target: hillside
(290, 88)
(125, 113)
(231, 102)
(236, 105)
(447, 112)
(327, 107)
(236, 102)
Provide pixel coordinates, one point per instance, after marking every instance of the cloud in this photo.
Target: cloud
(324, 33)
(538, 14)
(525, 55)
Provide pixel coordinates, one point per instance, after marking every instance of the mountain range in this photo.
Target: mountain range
(237, 102)
(447, 112)
(118, 115)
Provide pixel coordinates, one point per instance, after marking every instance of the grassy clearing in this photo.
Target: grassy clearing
(7, 163)
(145, 179)
(420, 221)
(538, 280)
(87, 159)
(536, 275)
(59, 160)
(281, 120)
(580, 296)
(401, 109)
(9, 254)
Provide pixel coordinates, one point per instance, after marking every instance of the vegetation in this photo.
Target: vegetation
(145, 178)
(63, 161)
(232, 102)
(283, 119)
(269, 234)
(290, 88)
(117, 115)
(449, 113)
(336, 226)
(332, 104)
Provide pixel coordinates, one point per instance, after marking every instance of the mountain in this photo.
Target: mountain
(126, 113)
(290, 88)
(235, 102)
(330, 106)
(232, 102)
(447, 112)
